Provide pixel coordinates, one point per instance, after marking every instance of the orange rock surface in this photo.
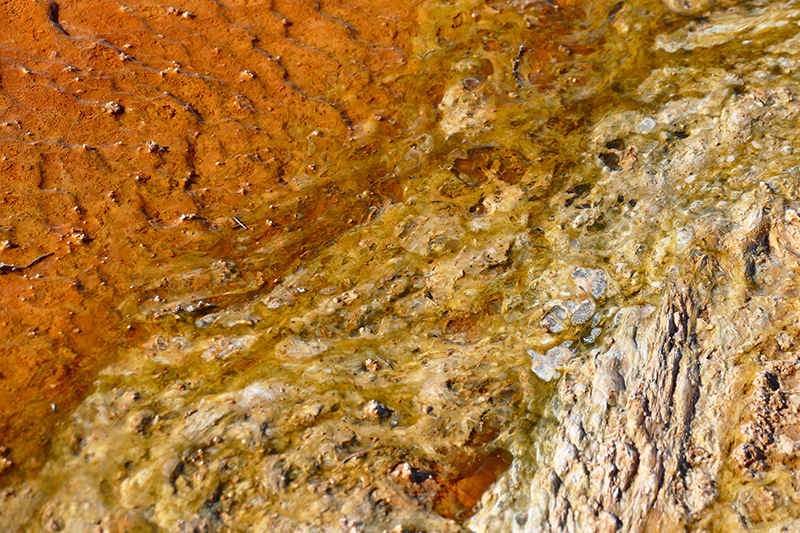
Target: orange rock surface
(146, 150)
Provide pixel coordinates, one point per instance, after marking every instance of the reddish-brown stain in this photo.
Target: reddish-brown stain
(458, 496)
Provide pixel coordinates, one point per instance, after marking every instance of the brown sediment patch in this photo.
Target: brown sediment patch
(453, 497)
(142, 141)
(458, 497)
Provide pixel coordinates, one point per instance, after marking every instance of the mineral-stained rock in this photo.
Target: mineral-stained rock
(554, 320)
(655, 292)
(583, 313)
(590, 281)
(693, 408)
(375, 410)
(545, 366)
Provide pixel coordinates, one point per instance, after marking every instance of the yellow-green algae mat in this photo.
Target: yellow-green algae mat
(590, 274)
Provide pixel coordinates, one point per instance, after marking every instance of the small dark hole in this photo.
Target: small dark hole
(611, 161)
(580, 190)
(772, 381)
(478, 209)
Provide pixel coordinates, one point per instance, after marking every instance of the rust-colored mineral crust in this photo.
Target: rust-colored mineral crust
(150, 149)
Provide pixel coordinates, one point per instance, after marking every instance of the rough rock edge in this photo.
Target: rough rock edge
(644, 451)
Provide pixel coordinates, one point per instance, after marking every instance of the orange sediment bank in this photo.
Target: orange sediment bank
(149, 151)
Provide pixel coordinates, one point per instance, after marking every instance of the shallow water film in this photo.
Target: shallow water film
(436, 266)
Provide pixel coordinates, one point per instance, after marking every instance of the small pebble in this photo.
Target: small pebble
(591, 280)
(113, 108)
(541, 366)
(5, 462)
(544, 366)
(593, 335)
(375, 410)
(405, 473)
(583, 313)
(647, 125)
(553, 321)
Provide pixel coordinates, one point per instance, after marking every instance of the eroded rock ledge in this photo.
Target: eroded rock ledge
(689, 419)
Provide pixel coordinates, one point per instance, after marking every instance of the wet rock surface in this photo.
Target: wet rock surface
(579, 315)
(147, 150)
(681, 422)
